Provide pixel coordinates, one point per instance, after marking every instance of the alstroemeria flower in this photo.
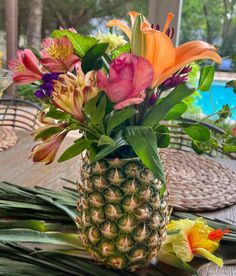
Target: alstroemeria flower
(72, 92)
(58, 55)
(26, 68)
(129, 76)
(47, 150)
(46, 123)
(157, 47)
(192, 238)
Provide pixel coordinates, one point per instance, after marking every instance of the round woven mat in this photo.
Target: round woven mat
(197, 183)
(8, 138)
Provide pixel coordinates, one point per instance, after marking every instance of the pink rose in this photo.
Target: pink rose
(129, 76)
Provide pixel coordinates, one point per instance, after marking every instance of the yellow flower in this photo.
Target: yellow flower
(188, 238)
(114, 41)
(156, 46)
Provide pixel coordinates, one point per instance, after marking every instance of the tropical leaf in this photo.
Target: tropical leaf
(28, 235)
(206, 78)
(92, 59)
(175, 112)
(115, 118)
(159, 111)
(106, 150)
(74, 150)
(144, 143)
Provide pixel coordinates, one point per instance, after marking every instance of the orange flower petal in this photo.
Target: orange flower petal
(133, 15)
(121, 25)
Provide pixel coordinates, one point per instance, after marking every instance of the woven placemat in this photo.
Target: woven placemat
(197, 183)
(8, 138)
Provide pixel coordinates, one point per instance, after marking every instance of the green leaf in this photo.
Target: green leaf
(26, 224)
(175, 112)
(26, 235)
(96, 108)
(106, 140)
(92, 59)
(206, 78)
(229, 148)
(99, 111)
(122, 49)
(74, 150)
(80, 42)
(143, 142)
(48, 132)
(197, 147)
(159, 111)
(119, 142)
(56, 114)
(115, 118)
(224, 113)
(232, 84)
(163, 136)
(196, 131)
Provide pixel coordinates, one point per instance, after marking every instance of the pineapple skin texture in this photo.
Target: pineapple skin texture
(121, 216)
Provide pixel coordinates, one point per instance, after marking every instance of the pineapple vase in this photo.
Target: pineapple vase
(122, 212)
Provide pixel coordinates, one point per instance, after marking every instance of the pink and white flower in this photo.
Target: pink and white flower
(58, 55)
(26, 68)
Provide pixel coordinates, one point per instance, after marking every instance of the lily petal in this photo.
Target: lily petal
(203, 252)
(121, 25)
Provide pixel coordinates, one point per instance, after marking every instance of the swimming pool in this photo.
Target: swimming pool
(215, 98)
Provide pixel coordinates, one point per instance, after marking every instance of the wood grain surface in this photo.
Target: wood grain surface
(15, 167)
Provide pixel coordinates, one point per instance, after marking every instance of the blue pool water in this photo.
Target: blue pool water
(215, 98)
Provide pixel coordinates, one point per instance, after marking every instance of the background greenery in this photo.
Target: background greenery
(213, 21)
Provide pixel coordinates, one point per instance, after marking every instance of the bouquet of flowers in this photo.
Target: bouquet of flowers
(118, 94)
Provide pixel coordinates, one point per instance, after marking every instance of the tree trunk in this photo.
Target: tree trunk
(34, 26)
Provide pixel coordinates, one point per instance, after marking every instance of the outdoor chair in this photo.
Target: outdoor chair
(18, 114)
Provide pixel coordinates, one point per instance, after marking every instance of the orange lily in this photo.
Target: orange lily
(157, 47)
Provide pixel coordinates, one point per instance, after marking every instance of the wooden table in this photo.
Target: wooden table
(16, 168)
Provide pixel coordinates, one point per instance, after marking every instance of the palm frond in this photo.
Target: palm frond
(43, 216)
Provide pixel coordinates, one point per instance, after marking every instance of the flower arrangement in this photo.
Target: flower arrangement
(118, 94)
(107, 87)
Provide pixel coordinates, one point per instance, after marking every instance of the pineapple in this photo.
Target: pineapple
(121, 215)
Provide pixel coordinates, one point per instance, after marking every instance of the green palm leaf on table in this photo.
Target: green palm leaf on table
(45, 217)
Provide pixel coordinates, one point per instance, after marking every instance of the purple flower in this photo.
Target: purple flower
(39, 94)
(46, 88)
(177, 78)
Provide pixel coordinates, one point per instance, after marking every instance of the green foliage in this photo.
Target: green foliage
(80, 43)
(26, 92)
(92, 59)
(212, 23)
(95, 109)
(122, 49)
(78, 147)
(206, 78)
(178, 110)
(224, 113)
(48, 132)
(54, 113)
(162, 136)
(232, 84)
(143, 141)
(196, 131)
(115, 118)
(159, 111)
(106, 140)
